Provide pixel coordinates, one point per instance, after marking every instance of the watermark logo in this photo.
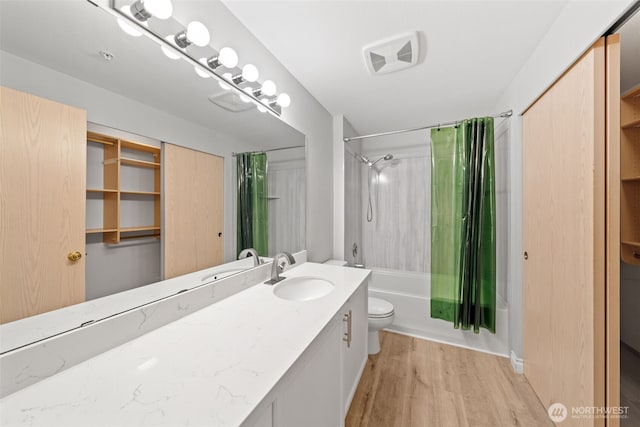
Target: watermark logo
(557, 412)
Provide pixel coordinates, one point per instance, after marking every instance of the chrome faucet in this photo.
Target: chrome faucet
(246, 253)
(276, 269)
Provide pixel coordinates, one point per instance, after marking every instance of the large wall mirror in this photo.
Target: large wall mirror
(74, 53)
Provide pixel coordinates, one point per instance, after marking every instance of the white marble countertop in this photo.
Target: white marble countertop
(212, 367)
(28, 330)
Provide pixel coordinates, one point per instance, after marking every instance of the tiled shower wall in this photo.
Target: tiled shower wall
(286, 201)
(352, 203)
(398, 238)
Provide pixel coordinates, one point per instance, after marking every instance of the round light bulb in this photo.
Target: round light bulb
(227, 76)
(246, 98)
(198, 34)
(127, 28)
(199, 71)
(170, 54)
(228, 57)
(283, 100)
(250, 73)
(161, 9)
(268, 88)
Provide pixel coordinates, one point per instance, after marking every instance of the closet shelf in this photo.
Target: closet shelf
(100, 190)
(100, 230)
(141, 193)
(141, 163)
(630, 109)
(631, 179)
(142, 228)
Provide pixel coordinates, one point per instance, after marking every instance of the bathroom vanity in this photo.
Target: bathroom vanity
(254, 359)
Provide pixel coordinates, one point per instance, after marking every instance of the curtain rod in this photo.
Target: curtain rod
(265, 151)
(505, 114)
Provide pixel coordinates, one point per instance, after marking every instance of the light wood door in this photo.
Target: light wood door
(564, 238)
(612, 355)
(42, 204)
(193, 210)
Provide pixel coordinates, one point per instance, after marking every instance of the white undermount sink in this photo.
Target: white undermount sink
(303, 288)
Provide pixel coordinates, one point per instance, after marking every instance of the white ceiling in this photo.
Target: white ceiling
(67, 36)
(473, 50)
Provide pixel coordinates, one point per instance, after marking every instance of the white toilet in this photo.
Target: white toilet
(380, 315)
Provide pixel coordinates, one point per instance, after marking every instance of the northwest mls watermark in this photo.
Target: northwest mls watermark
(559, 412)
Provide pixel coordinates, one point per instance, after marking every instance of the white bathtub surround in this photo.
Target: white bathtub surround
(27, 365)
(213, 367)
(399, 235)
(410, 295)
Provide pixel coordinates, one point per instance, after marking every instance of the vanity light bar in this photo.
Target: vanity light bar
(274, 109)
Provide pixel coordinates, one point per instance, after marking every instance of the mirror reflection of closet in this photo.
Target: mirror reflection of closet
(630, 221)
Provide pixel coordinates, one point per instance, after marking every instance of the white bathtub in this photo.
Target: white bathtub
(409, 293)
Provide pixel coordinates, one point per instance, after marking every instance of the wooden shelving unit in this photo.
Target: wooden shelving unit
(112, 193)
(630, 176)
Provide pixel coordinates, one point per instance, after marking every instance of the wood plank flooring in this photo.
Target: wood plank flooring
(414, 382)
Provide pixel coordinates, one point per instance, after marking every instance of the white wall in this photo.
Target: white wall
(116, 111)
(305, 114)
(579, 25)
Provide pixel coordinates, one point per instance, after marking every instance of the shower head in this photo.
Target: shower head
(386, 157)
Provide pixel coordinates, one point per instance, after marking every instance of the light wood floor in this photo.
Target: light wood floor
(630, 386)
(413, 382)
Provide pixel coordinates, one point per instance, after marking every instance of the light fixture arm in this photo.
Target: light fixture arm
(233, 84)
(181, 39)
(139, 12)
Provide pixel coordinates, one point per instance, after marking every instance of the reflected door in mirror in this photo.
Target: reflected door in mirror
(42, 205)
(194, 208)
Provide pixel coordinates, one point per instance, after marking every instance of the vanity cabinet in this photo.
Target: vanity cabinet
(354, 344)
(310, 395)
(318, 389)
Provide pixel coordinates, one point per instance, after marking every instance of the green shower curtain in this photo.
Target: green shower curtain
(253, 213)
(463, 232)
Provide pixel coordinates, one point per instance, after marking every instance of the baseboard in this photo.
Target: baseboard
(355, 386)
(516, 363)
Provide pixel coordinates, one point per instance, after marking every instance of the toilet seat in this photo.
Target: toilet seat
(379, 308)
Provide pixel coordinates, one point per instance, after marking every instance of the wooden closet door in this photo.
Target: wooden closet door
(193, 210)
(564, 239)
(42, 204)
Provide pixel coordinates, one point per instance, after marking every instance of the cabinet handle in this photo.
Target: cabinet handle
(636, 255)
(526, 255)
(74, 256)
(347, 335)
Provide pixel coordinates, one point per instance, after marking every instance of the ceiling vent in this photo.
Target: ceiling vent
(231, 101)
(392, 54)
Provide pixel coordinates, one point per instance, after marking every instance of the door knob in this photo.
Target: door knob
(74, 256)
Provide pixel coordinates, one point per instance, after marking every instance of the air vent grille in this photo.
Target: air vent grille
(392, 54)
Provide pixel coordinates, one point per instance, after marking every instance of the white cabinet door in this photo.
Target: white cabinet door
(310, 395)
(354, 353)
